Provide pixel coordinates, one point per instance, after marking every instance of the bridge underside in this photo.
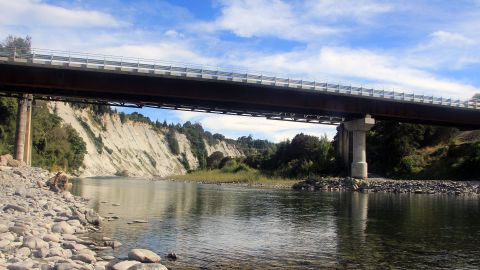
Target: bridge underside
(180, 92)
(135, 88)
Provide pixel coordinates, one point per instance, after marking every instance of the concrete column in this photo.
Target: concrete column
(21, 128)
(28, 131)
(343, 144)
(359, 128)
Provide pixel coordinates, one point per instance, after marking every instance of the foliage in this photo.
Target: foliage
(392, 147)
(150, 158)
(8, 116)
(194, 133)
(121, 173)
(54, 144)
(20, 45)
(97, 140)
(184, 161)
(213, 161)
(172, 142)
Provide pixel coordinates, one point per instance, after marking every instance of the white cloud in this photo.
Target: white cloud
(177, 52)
(445, 37)
(362, 66)
(38, 14)
(359, 9)
(302, 21)
(234, 126)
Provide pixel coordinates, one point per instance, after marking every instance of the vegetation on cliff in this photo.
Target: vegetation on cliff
(55, 146)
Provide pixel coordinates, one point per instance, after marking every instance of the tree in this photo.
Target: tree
(20, 45)
(213, 161)
(476, 96)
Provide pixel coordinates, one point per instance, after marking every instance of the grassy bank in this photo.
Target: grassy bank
(250, 177)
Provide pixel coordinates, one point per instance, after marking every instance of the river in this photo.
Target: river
(232, 227)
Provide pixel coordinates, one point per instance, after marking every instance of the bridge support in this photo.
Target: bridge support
(23, 134)
(359, 128)
(343, 147)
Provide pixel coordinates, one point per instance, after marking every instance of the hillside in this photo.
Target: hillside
(132, 148)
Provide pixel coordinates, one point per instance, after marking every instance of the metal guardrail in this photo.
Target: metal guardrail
(108, 62)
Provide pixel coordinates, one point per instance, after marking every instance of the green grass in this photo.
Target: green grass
(251, 177)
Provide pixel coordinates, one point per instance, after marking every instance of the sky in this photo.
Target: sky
(425, 47)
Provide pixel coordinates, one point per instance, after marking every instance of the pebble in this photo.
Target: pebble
(38, 228)
(387, 185)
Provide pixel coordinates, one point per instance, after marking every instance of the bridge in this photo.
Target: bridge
(58, 75)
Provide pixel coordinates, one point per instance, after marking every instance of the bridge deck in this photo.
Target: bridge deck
(157, 84)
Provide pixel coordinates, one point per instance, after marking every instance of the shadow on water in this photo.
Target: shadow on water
(230, 227)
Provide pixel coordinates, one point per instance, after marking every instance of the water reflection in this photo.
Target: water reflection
(226, 227)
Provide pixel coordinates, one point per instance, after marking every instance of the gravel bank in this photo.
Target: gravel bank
(395, 186)
(41, 229)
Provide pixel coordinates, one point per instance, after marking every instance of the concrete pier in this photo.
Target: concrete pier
(359, 128)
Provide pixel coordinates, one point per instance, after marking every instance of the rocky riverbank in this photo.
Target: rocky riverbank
(385, 185)
(42, 229)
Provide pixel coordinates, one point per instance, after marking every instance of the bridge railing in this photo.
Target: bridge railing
(172, 68)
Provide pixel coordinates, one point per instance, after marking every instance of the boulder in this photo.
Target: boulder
(3, 228)
(14, 207)
(86, 258)
(23, 265)
(148, 266)
(63, 228)
(34, 242)
(92, 217)
(143, 255)
(51, 237)
(23, 252)
(124, 265)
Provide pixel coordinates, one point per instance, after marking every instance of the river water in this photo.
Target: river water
(233, 227)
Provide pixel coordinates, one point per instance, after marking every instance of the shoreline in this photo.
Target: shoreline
(43, 229)
(374, 184)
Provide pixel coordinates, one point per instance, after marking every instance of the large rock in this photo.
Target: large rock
(33, 242)
(63, 228)
(148, 266)
(60, 252)
(86, 258)
(93, 217)
(125, 265)
(51, 237)
(3, 228)
(23, 265)
(14, 207)
(143, 255)
(23, 252)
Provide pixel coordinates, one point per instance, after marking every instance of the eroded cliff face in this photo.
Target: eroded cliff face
(131, 147)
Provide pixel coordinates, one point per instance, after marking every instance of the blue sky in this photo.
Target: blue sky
(426, 47)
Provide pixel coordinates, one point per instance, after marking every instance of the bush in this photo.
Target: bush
(172, 142)
(213, 161)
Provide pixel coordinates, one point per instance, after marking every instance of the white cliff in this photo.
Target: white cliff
(133, 147)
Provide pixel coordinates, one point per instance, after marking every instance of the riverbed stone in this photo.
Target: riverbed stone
(33, 242)
(93, 217)
(63, 228)
(124, 265)
(14, 207)
(51, 237)
(143, 255)
(3, 228)
(23, 265)
(148, 266)
(4, 243)
(87, 258)
(23, 252)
